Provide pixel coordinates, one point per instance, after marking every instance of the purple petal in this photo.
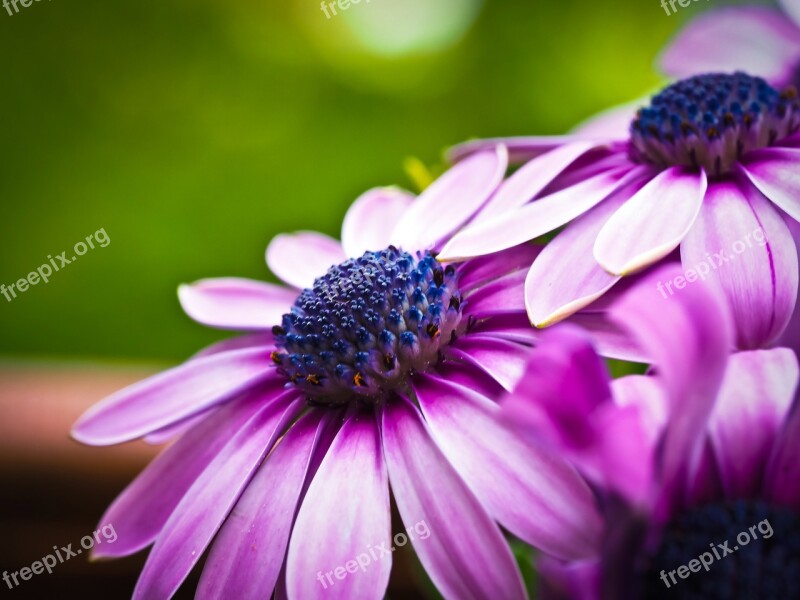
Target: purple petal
(451, 200)
(205, 506)
(248, 553)
(520, 149)
(299, 258)
(792, 7)
(565, 277)
(776, 172)
(613, 123)
(688, 338)
(535, 495)
(483, 270)
(170, 432)
(504, 361)
(571, 580)
(740, 244)
(345, 510)
(264, 340)
(519, 225)
(428, 490)
(757, 40)
(370, 221)
(782, 478)
(513, 327)
(652, 223)
(140, 512)
(532, 178)
(503, 295)
(174, 395)
(608, 337)
(232, 303)
(750, 412)
(564, 382)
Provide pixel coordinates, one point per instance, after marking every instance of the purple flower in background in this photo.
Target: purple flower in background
(757, 39)
(699, 454)
(376, 373)
(709, 167)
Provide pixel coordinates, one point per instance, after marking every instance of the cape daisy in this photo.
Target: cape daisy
(695, 464)
(373, 370)
(708, 165)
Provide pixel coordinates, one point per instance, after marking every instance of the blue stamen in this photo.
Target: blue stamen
(701, 122)
(365, 325)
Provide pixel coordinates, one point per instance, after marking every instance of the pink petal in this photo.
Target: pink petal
(174, 395)
(248, 553)
(428, 490)
(535, 495)
(741, 245)
(205, 506)
(754, 39)
(370, 221)
(299, 258)
(451, 200)
(652, 223)
(520, 149)
(519, 225)
(345, 510)
(565, 277)
(231, 303)
(532, 178)
(776, 172)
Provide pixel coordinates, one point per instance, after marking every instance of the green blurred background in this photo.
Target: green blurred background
(194, 131)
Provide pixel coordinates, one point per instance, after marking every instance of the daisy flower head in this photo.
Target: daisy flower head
(758, 39)
(372, 372)
(695, 463)
(709, 168)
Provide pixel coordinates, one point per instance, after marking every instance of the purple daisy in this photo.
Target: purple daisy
(693, 456)
(371, 375)
(708, 167)
(757, 39)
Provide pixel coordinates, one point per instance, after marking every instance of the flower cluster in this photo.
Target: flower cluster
(439, 359)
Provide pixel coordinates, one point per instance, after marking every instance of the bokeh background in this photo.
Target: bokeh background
(194, 131)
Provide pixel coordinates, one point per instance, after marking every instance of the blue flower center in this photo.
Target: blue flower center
(710, 121)
(367, 324)
(751, 550)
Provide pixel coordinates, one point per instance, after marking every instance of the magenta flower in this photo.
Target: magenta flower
(373, 374)
(709, 167)
(757, 39)
(683, 459)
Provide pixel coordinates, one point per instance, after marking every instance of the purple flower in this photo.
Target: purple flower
(683, 459)
(709, 167)
(757, 39)
(376, 373)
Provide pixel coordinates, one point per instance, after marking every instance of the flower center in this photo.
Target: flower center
(746, 549)
(367, 324)
(710, 121)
